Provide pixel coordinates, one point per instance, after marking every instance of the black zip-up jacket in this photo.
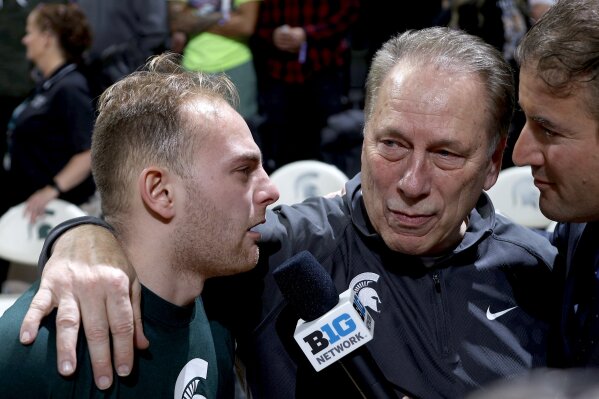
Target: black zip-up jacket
(468, 318)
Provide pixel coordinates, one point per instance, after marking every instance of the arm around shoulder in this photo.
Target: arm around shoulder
(88, 278)
(69, 226)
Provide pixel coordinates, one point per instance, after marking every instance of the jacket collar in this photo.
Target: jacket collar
(57, 75)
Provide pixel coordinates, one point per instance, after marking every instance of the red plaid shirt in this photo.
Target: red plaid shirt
(327, 24)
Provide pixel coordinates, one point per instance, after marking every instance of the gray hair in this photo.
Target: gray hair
(453, 50)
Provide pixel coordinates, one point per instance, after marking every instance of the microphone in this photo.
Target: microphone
(333, 328)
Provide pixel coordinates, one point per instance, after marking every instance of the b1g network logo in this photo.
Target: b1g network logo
(337, 333)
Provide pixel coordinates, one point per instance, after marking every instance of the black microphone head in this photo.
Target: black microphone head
(306, 285)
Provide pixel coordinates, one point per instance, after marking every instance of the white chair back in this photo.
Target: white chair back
(22, 241)
(6, 301)
(299, 180)
(551, 227)
(515, 196)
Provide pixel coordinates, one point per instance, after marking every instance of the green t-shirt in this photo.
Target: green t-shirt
(208, 52)
(181, 361)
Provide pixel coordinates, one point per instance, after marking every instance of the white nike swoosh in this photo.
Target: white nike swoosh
(493, 316)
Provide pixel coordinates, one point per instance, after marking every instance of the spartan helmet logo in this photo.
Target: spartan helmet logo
(524, 193)
(191, 382)
(361, 284)
(306, 185)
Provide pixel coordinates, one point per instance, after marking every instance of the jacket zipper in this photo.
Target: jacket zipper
(437, 283)
(443, 334)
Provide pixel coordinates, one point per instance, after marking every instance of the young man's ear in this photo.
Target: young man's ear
(495, 165)
(157, 191)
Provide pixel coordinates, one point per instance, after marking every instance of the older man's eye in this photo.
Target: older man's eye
(549, 132)
(448, 160)
(446, 154)
(390, 143)
(392, 150)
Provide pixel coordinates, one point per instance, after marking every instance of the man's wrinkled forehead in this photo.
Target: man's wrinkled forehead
(413, 75)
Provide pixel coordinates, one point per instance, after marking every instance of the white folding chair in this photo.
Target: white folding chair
(6, 301)
(515, 196)
(551, 226)
(21, 241)
(299, 180)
